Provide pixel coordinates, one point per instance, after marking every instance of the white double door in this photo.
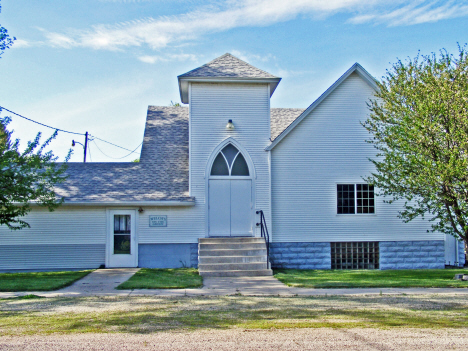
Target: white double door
(230, 207)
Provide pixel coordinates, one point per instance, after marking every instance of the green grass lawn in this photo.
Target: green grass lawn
(178, 278)
(151, 314)
(410, 278)
(39, 281)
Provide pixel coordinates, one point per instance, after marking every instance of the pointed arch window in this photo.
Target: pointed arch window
(229, 162)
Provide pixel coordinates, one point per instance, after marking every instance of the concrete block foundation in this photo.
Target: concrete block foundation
(412, 254)
(300, 255)
(393, 255)
(167, 255)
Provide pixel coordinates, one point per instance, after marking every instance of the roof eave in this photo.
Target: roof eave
(354, 68)
(184, 83)
(156, 203)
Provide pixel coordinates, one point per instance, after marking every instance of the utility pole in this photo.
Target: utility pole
(85, 146)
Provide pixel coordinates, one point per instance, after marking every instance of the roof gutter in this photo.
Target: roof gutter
(128, 203)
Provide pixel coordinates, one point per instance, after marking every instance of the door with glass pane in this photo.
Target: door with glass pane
(230, 195)
(121, 243)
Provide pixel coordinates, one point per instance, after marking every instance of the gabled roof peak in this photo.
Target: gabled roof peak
(226, 66)
(227, 69)
(356, 68)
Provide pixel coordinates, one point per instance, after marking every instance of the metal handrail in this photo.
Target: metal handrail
(264, 234)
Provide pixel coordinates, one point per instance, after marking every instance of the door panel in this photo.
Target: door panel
(450, 249)
(219, 207)
(241, 207)
(122, 249)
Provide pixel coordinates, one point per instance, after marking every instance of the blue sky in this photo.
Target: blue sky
(95, 65)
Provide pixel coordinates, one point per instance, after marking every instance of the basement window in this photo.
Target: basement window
(355, 255)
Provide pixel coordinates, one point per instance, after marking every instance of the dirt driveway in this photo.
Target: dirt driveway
(387, 322)
(220, 340)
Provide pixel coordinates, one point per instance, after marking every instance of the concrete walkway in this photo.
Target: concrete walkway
(99, 282)
(102, 282)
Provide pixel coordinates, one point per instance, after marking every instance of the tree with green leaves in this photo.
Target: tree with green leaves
(419, 126)
(26, 176)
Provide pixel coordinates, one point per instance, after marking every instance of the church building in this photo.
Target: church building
(232, 186)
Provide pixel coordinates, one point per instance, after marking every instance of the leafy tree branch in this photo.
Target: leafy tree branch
(419, 125)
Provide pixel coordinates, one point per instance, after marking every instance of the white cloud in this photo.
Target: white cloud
(163, 31)
(248, 57)
(60, 40)
(416, 12)
(171, 57)
(125, 1)
(21, 43)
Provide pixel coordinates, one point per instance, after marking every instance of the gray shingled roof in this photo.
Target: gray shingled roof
(161, 174)
(281, 118)
(227, 66)
(163, 171)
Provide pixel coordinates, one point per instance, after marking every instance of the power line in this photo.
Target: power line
(42, 124)
(116, 158)
(95, 137)
(89, 150)
(66, 131)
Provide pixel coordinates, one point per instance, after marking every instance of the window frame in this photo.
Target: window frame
(355, 200)
(230, 166)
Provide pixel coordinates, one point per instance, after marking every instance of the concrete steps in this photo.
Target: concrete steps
(256, 273)
(232, 257)
(224, 252)
(229, 246)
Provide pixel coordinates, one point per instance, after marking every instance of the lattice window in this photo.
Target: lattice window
(365, 198)
(355, 198)
(345, 194)
(355, 255)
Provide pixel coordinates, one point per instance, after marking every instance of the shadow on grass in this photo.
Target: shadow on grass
(165, 314)
(24, 297)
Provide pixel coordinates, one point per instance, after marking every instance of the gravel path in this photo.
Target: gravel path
(165, 329)
(235, 339)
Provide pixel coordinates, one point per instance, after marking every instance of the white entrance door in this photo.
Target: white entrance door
(219, 212)
(241, 207)
(122, 250)
(230, 206)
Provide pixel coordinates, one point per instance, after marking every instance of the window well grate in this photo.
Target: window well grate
(355, 255)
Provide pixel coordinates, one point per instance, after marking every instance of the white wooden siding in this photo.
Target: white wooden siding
(328, 148)
(180, 228)
(248, 105)
(63, 239)
(62, 256)
(65, 225)
(211, 106)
